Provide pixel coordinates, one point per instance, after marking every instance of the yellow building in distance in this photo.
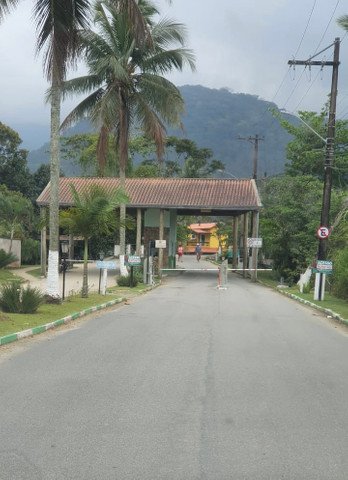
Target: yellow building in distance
(205, 234)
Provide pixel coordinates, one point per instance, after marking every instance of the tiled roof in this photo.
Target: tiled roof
(180, 193)
(202, 226)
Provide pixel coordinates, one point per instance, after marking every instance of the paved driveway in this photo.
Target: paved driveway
(187, 382)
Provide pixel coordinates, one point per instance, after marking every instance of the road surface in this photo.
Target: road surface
(188, 382)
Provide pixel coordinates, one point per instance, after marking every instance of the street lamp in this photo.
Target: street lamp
(227, 173)
(65, 250)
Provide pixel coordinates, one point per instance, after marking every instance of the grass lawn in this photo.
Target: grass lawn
(330, 302)
(16, 322)
(8, 276)
(35, 272)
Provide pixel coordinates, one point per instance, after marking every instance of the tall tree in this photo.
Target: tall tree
(16, 214)
(306, 152)
(125, 82)
(57, 23)
(93, 214)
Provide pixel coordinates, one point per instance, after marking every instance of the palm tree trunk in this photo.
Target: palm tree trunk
(52, 285)
(84, 292)
(123, 156)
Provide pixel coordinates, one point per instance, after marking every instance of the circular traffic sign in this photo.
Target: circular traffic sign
(323, 232)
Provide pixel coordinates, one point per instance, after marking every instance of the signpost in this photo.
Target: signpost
(105, 266)
(323, 266)
(321, 269)
(133, 261)
(161, 244)
(323, 232)
(254, 242)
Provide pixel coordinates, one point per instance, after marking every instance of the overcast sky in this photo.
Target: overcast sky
(243, 45)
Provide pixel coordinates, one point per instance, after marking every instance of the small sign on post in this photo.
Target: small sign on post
(161, 243)
(323, 266)
(133, 260)
(254, 242)
(109, 265)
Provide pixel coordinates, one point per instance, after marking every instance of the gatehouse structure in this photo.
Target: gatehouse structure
(156, 204)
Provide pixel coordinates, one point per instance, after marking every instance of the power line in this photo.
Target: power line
(327, 26)
(305, 30)
(297, 50)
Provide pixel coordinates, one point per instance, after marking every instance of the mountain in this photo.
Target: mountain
(216, 119)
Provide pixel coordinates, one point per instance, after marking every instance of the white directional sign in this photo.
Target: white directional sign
(323, 232)
(161, 243)
(254, 242)
(106, 265)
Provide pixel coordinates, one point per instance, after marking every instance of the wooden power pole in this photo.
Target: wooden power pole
(255, 141)
(329, 152)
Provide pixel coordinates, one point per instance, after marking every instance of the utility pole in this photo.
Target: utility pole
(329, 151)
(255, 141)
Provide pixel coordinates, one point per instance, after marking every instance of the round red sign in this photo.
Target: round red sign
(323, 232)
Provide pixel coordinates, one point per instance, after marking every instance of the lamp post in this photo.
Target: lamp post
(65, 250)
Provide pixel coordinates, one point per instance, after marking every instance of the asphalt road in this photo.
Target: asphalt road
(188, 382)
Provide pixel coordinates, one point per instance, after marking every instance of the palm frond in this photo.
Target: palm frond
(166, 60)
(83, 109)
(6, 6)
(57, 25)
(163, 96)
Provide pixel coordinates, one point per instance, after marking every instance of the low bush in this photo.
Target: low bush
(30, 251)
(16, 299)
(31, 299)
(10, 297)
(340, 275)
(6, 258)
(124, 281)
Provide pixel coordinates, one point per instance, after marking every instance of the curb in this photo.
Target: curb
(13, 337)
(327, 311)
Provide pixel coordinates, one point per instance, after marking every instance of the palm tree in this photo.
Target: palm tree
(125, 82)
(93, 214)
(57, 24)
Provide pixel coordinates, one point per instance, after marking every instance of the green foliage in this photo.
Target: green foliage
(289, 221)
(16, 215)
(125, 281)
(14, 171)
(119, 98)
(16, 299)
(31, 299)
(306, 152)
(30, 251)
(339, 254)
(10, 297)
(6, 258)
(93, 213)
(340, 275)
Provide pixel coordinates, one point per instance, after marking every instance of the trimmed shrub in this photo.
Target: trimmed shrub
(16, 299)
(6, 258)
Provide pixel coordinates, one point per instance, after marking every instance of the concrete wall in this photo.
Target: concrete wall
(16, 250)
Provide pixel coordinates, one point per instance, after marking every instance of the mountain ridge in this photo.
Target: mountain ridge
(218, 119)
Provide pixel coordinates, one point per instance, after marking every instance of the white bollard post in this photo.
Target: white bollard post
(105, 281)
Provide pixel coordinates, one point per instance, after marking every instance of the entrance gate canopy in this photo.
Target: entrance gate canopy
(188, 196)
